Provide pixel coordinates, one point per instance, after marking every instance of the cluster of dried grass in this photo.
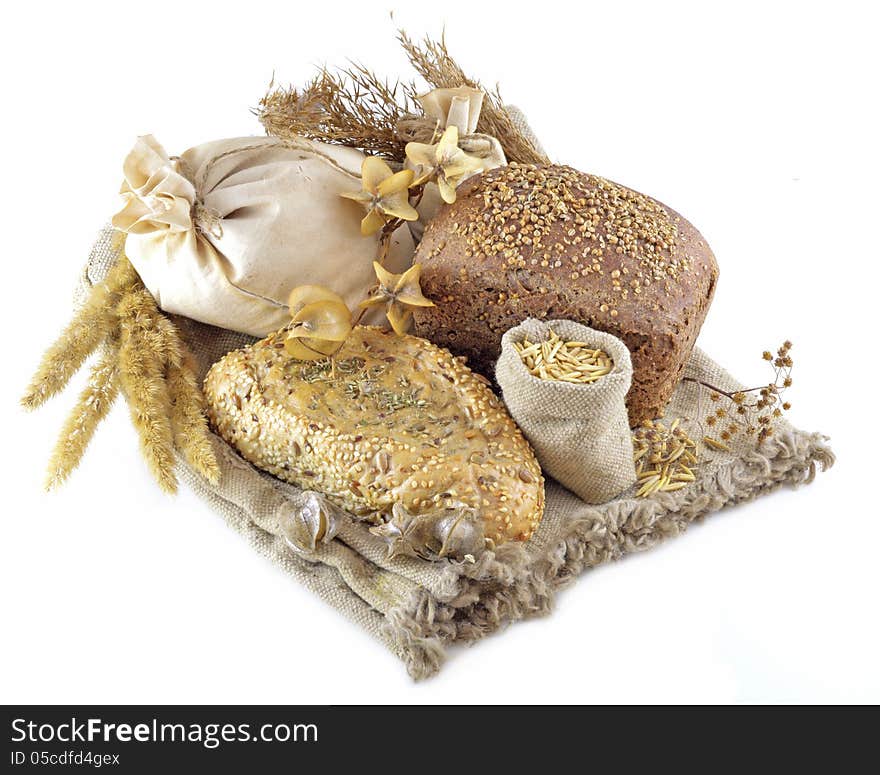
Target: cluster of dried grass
(352, 107)
(141, 354)
(355, 107)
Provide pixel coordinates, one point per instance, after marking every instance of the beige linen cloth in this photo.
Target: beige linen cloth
(417, 608)
(580, 433)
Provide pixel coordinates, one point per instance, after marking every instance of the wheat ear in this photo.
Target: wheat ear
(142, 376)
(90, 326)
(93, 404)
(188, 422)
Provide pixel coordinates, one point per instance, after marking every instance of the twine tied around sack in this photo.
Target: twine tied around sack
(207, 219)
(580, 432)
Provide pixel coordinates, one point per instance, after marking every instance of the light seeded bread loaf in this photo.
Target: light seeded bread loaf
(551, 242)
(397, 431)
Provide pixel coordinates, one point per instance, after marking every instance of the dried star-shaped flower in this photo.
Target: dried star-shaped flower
(384, 195)
(320, 321)
(398, 292)
(451, 531)
(444, 162)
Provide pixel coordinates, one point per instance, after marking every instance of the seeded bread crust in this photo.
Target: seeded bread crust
(395, 421)
(551, 242)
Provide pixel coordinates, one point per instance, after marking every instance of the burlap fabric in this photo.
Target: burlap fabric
(580, 433)
(417, 608)
(519, 121)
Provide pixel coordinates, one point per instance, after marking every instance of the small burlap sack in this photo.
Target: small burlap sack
(580, 433)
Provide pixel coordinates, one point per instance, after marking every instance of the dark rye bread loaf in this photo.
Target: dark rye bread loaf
(551, 242)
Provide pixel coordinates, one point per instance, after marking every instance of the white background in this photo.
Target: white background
(756, 120)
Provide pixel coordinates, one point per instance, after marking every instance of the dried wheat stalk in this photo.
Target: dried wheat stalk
(93, 405)
(188, 421)
(142, 375)
(145, 357)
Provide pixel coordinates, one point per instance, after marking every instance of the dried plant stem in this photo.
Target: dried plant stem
(93, 405)
(93, 324)
(89, 327)
(714, 389)
(142, 374)
(188, 422)
(382, 250)
(741, 415)
(387, 233)
(144, 357)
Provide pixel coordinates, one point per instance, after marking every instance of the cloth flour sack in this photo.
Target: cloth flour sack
(222, 233)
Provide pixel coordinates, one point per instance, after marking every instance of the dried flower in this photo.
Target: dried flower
(445, 163)
(453, 530)
(320, 320)
(316, 521)
(398, 292)
(758, 407)
(384, 195)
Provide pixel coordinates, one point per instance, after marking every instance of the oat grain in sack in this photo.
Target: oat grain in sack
(574, 416)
